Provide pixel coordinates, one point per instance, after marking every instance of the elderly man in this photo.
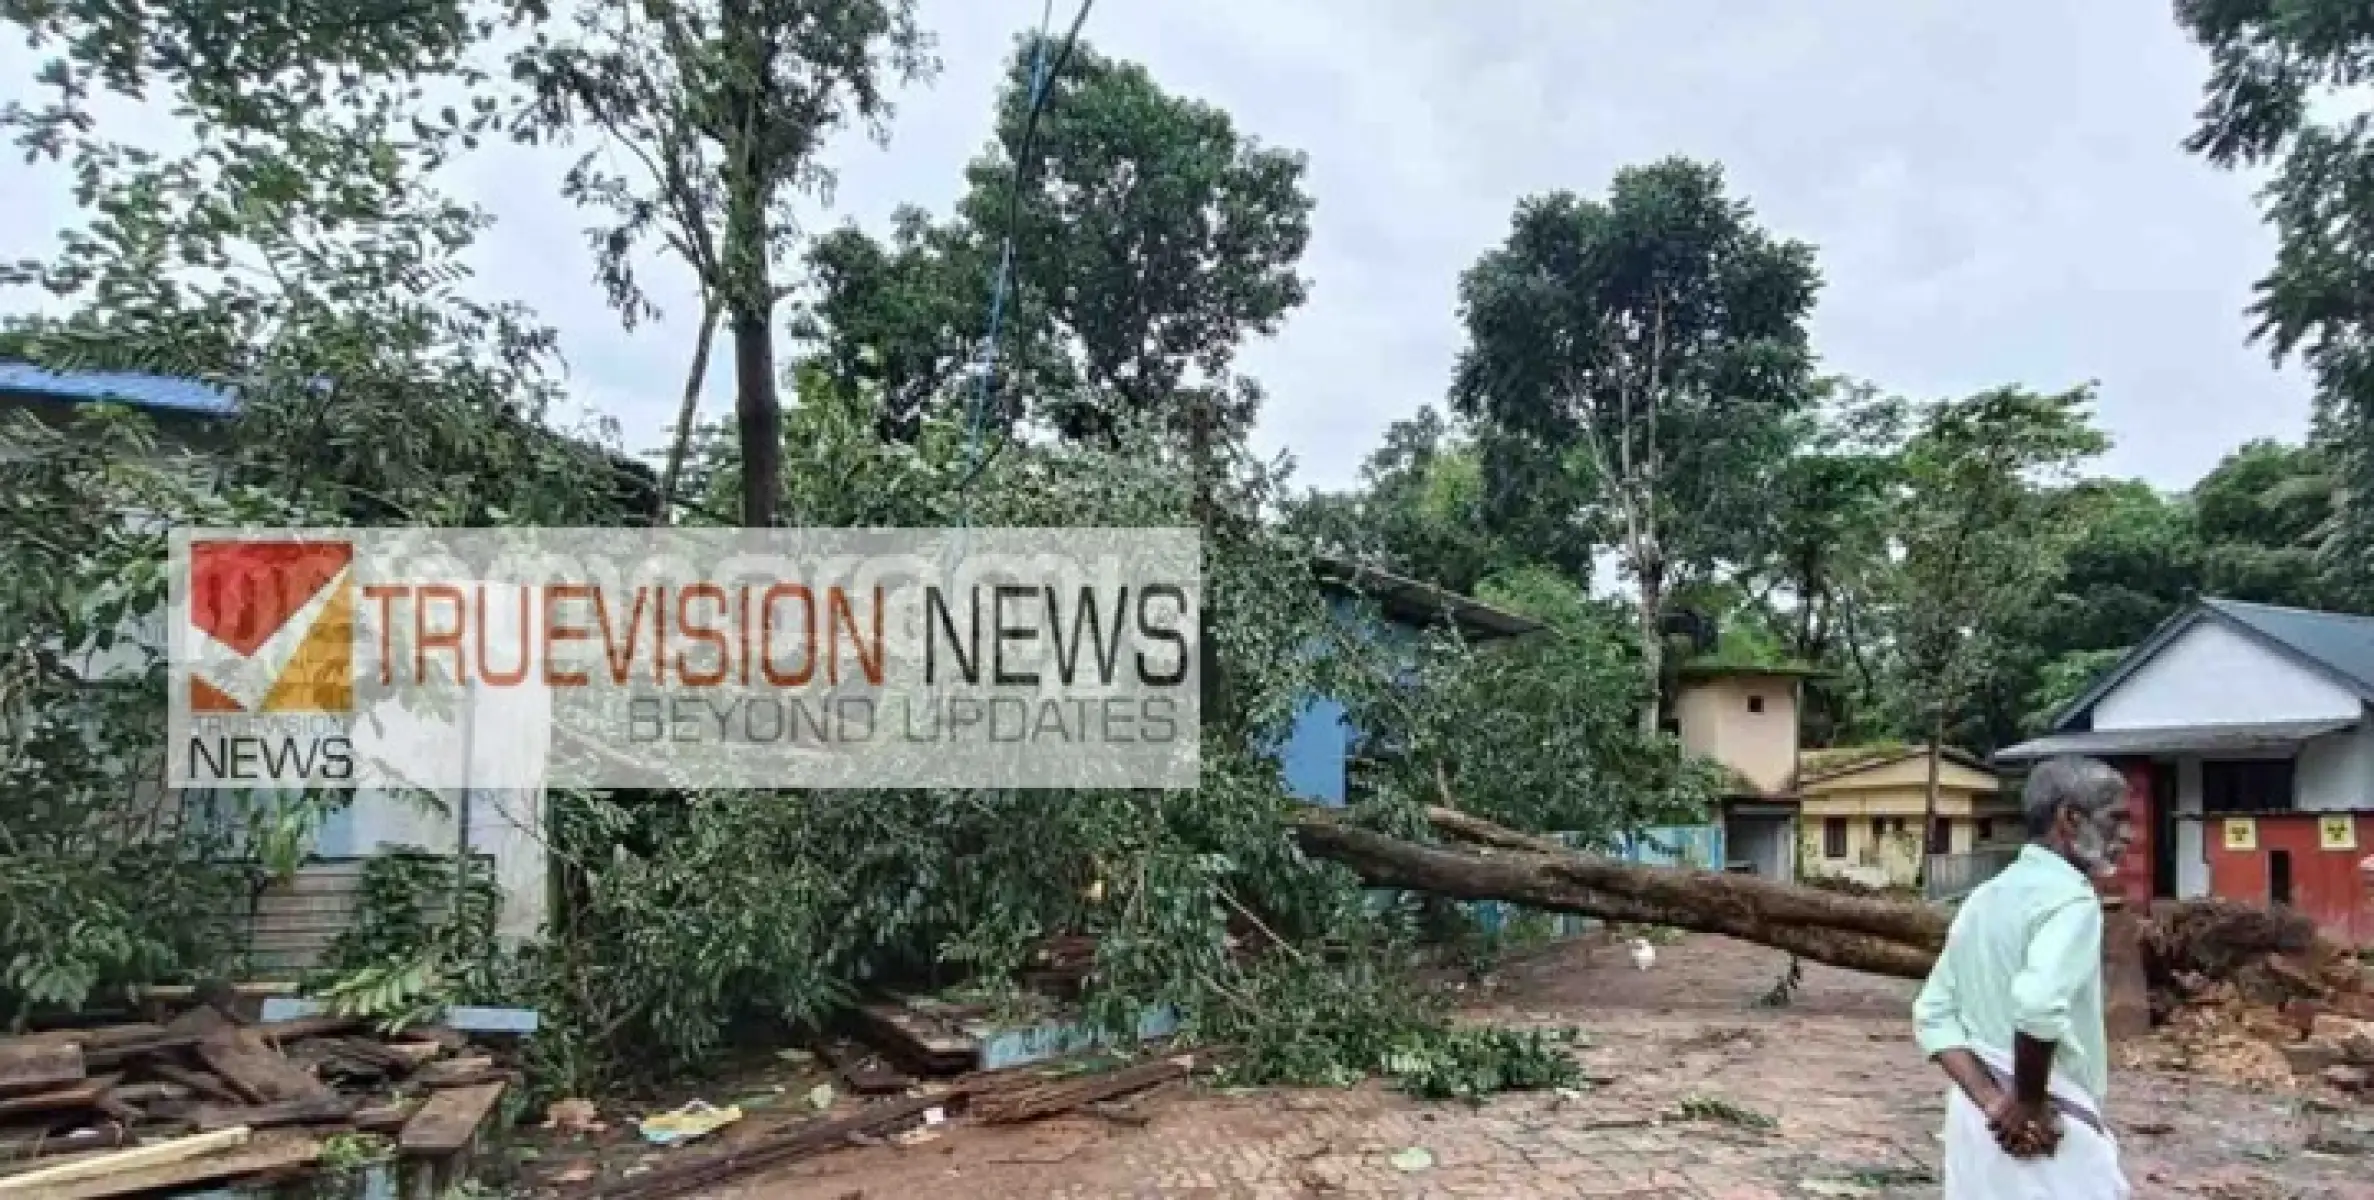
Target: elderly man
(2013, 1009)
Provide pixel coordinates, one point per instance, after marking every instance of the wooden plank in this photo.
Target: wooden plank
(100, 1037)
(454, 1071)
(172, 992)
(30, 1066)
(412, 1055)
(203, 1019)
(137, 1158)
(150, 1093)
(275, 1156)
(198, 1082)
(40, 1143)
(449, 1121)
(256, 1070)
(336, 1110)
(140, 1051)
(300, 1028)
(74, 1096)
(383, 1118)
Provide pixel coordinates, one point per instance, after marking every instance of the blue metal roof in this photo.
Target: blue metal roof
(167, 393)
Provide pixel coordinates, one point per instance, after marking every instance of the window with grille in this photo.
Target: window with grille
(2247, 785)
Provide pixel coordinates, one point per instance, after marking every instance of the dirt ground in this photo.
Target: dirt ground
(1687, 1071)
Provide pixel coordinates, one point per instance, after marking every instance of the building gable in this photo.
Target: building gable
(2212, 673)
(2328, 646)
(1906, 770)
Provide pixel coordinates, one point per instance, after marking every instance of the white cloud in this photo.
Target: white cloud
(1997, 191)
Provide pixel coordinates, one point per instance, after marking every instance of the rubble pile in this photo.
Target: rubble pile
(2257, 997)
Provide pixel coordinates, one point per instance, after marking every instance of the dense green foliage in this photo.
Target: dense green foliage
(2286, 87)
(1637, 383)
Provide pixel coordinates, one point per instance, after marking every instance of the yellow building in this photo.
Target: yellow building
(1860, 812)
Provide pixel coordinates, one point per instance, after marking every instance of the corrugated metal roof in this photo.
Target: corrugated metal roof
(2341, 643)
(1422, 603)
(2190, 739)
(165, 393)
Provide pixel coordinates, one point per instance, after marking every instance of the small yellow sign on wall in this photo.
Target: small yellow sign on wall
(2337, 833)
(2242, 833)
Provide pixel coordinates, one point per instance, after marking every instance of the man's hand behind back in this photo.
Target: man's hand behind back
(2024, 1130)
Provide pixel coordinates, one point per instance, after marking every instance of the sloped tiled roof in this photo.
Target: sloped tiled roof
(1818, 765)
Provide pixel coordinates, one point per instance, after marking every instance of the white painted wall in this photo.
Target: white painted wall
(2211, 675)
(2332, 773)
(2192, 853)
(2337, 772)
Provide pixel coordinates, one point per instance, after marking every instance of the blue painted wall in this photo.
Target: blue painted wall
(1317, 751)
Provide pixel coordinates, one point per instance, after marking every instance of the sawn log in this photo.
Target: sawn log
(1856, 932)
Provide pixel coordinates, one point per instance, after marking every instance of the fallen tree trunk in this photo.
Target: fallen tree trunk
(1855, 932)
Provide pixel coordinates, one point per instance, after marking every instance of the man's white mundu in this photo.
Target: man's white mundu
(2083, 1167)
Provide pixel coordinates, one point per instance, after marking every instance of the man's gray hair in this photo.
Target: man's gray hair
(2088, 785)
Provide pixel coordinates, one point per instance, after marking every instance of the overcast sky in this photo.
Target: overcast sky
(1996, 191)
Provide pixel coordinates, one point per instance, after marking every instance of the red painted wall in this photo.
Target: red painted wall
(2325, 883)
(2134, 869)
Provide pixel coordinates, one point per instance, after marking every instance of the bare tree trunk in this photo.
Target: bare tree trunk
(1920, 871)
(1652, 643)
(758, 413)
(749, 299)
(1843, 931)
(693, 379)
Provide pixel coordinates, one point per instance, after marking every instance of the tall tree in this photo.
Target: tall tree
(1151, 238)
(1422, 508)
(720, 106)
(1653, 344)
(1814, 553)
(2286, 87)
(1979, 532)
(2262, 515)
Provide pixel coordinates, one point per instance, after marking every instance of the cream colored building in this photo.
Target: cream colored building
(1861, 808)
(1745, 718)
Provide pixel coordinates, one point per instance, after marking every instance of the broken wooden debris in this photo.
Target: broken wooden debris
(200, 1083)
(24, 1146)
(121, 1161)
(382, 1118)
(455, 1072)
(31, 1066)
(262, 1159)
(73, 1095)
(329, 1110)
(1034, 1101)
(1011, 1094)
(789, 1145)
(80, 1096)
(99, 1037)
(919, 1042)
(257, 1071)
(862, 1071)
(449, 1121)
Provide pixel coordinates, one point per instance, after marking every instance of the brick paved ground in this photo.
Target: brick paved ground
(1854, 1112)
